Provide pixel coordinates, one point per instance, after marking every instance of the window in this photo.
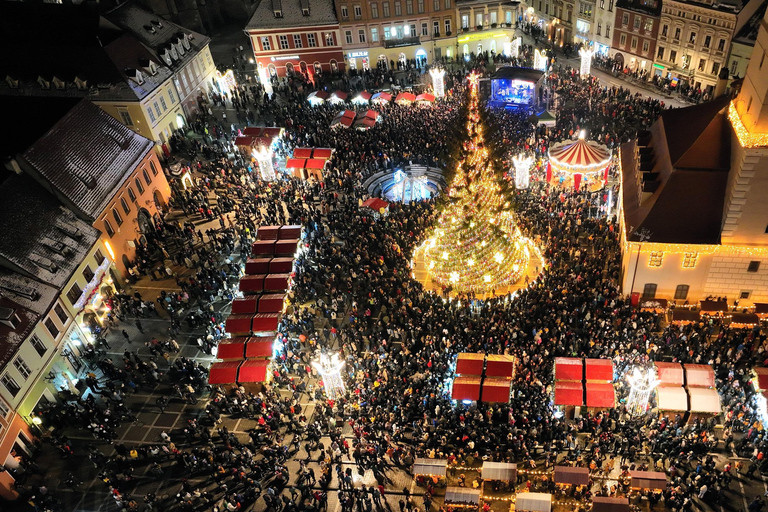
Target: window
(721, 45)
(610, 5)
(754, 266)
(702, 63)
(99, 257)
(599, 28)
(348, 36)
(131, 194)
(424, 30)
(385, 9)
(163, 104)
(602, 4)
(672, 56)
(10, 384)
(660, 52)
(664, 30)
(344, 12)
(648, 25)
(51, 327)
(108, 228)
(655, 259)
(447, 4)
(374, 11)
(157, 108)
(447, 27)
(413, 30)
(398, 9)
(681, 292)
(435, 28)
(117, 217)
(88, 274)
(38, 344)
(649, 291)
(623, 40)
(297, 41)
(435, 5)
(24, 370)
(646, 47)
(4, 409)
(124, 204)
(387, 33)
(171, 96)
(153, 168)
(420, 6)
(638, 20)
(692, 38)
(139, 186)
(61, 313)
(147, 179)
(74, 293)
(361, 35)
(408, 7)
(464, 21)
(329, 41)
(677, 33)
(689, 259)
(374, 35)
(745, 295)
(311, 40)
(634, 43)
(125, 117)
(284, 42)
(625, 19)
(151, 114)
(707, 41)
(608, 29)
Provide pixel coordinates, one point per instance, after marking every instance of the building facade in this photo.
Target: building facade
(634, 38)
(295, 36)
(555, 18)
(486, 25)
(601, 34)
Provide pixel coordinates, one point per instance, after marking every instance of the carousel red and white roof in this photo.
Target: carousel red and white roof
(579, 156)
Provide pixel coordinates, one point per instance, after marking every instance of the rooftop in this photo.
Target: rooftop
(748, 33)
(321, 12)
(652, 7)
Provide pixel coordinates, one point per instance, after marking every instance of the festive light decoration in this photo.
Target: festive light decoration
(330, 371)
(438, 81)
(522, 166)
(540, 60)
(586, 61)
(746, 138)
(476, 244)
(641, 384)
(263, 156)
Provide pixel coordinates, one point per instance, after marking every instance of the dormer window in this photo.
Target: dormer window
(9, 318)
(157, 23)
(174, 53)
(81, 84)
(150, 29)
(59, 84)
(136, 75)
(13, 84)
(166, 56)
(45, 84)
(152, 68)
(185, 41)
(305, 11)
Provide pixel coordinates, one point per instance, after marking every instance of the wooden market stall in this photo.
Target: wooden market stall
(653, 480)
(569, 393)
(714, 307)
(224, 372)
(466, 388)
(571, 476)
(699, 376)
(598, 370)
(254, 266)
(673, 399)
(704, 402)
(496, 389)
(761, 310)
(499, 472)
(268, 232)
(470, 364)
(669, 374)
(744, 321)
(499, 365)
(462, 497)
(423, 467)
(232, 348)
(760, 379)
(533, 502)
(405, 98)
(569, 368)
(600, 395)
(238, 324)
(606, 504)
(381, 98)
(263, 248)
(265, 322)
(655, 305)
(683, 316)
(260, 347)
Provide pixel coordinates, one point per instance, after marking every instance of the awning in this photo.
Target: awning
(295, 163)
(601, 395)
(381, 97)
(254, 266)
(223, 373)
(286, 247)
(461, 496)
(714, 306)
(503, 471)
(365, 123)
(704, 400)
(233, 348)
(572, 476)
(276, 282)
(302, 153)
(271, 303)
(469, 364)
(533, 502)
(267, 232)
(280, 265)
(500, 366)
(496, 389)
(699, 376)
(405, 97)
(761, 308)
(271, 132)
(653, 304)
(244, 141)
(252, 283)
(316, 163)
(263, 248)
(466, 388)
(375, 204)
(425, 97)
(317, 96)
(669, 374)
(598, 370)
(253, 370)
(569, 393)
(761, 378)
(363, 97)
(236, 324)
(685, 316)
(672, 399)
(744, 320)
(258, 349)
(430, 467)
(569, 368)
(372, 114)
(605, 504)
(342, 121)
(321, 153)
(263, 322)
(245, 306)
(648, 480)
(340, 95)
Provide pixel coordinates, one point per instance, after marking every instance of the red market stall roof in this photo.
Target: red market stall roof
(671, 399)
(267, 132)
(295, 163)
(302, 153)
(579, 157)
(267, 232)
(238, 324)
(351, 114)
(365, 123)
(469, 364)
(258, 349)
(744, 320)
(571, 475)
(280, 265)
(372, 114)
(344, 121)
(569, 393)
(341, 95)
(569, 368)
(606, 504)
(233, 348)
(704, 400)
(363, 97)
(375, 204)
(252, 283)
(253, 370)
(224, 372)
(271, 303)
(761, 375)
(426, 97)
(497, 389)
(263, 248)
(244, 141)
(601, 395)
(276, 282)
(713, 306)
(263, 322)
(381, 97)
(466, 388)
(255, 266)
(286, 247)
(669, 374)
(321, 95)
(598, 370)
(322, 153)
(648, 480)
(316, 163)
(245, 305)
(685, 316)
(699, 376)
(290, 231)
(405, 97)
(500, 366)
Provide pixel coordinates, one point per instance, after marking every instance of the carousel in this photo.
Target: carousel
(579, 163)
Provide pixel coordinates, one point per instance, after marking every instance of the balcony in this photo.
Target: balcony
(405, 41)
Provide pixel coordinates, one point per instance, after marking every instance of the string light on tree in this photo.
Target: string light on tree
(329, 369)
(438, 81)
(586, 61)
(522, 166)
(642, 382)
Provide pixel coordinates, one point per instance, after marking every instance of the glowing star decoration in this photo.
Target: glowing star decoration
(330, 371)
(540, 60)
(522, 166)
(642, 382)
(263, 156)
(438, 81)
(586, 61)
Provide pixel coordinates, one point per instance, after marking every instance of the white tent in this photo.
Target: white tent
(672, 399)
(704, 400)
(533, 502)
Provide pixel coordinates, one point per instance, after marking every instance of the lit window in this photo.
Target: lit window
(11, 385)
(63, 317)
(51, 327)
(38, 345)
(689, 259)
(654, 260)
(139, 185)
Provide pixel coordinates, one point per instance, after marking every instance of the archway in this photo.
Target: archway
(180, 123)
(303, 67)
(272, 70)
(318, 68)
(382, 63)
(479, 48)
(401, 59)
(145, 221)
(334, 65)
(619, 58)
(421, 58)
(159, 201)
(289, 68)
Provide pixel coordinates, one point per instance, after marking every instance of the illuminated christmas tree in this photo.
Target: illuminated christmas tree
(476, 244)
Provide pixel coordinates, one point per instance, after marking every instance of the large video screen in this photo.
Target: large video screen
(512, 91)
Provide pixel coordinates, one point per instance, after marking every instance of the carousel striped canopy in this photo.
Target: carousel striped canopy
(580, 156)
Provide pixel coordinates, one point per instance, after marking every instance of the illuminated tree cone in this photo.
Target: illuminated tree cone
(476, 244)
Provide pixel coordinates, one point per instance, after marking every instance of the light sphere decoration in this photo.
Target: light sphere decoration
(263, 156)
(642, 382)
(586, 61)
(438, 81)
(522, 165)
(329, 369)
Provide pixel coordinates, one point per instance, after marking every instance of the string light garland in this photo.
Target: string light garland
(586, 61)
(746, 138)
(438, 81)
(330, 371)
(476, 244)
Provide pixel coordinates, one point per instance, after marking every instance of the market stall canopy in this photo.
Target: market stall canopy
(461, 496)
(579, 157)
(381, 97)
(264, 322)
(375, 204)
(572, 476)
(317, 97)
(372, 114)
(685, 316)
(315, 163)
(254, 266)
(497, 389)
(286, 247)
(405, 98)
(711, 307)
(466, 388)
(258, 349)
(657, 305)
(569, 393)
(263, 247)
(648, 480)
(267, 232)
(238, 324)
(699, 376)
(295, 163)
(271, 303)
(601, 395)
(362, 98)
(430, 467)
(533, 502)
(503, 471)
(252, 284)
(302, 153)
(224, 372)
(598, 370)
(338, 97)
(469, 364)
(704, 400)
(761, 309)
(569, 368)
(761, 378)
(276, 283)
(546, 119)
(500, 365)
(233, 348)
(744, 320)
(365, 123)
(253, 370)
(245, 305)
(281, 265)
(669, 374)
(244, 142)
(425, 98)
(606, 504)
(672, 399)
(322, 154)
